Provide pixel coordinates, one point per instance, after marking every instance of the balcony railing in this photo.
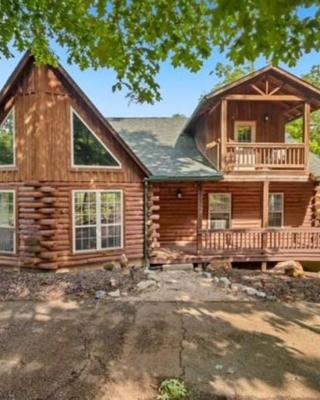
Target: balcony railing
(244, 241)
(264, 156)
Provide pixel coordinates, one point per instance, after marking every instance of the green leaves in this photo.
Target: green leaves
(133, 37)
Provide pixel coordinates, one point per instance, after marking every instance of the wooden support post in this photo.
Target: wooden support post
(223, 129)
(306, 133)
(199, 217)
(264, 266)
(265, 204)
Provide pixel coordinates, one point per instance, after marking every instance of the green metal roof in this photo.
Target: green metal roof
(164, 149)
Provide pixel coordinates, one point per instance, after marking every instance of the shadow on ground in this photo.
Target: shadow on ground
(120, 350)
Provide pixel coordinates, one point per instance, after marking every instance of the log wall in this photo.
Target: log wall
(44, 177)
(178, 217)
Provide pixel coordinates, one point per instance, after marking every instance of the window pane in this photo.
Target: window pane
(87, 149)
(7, 239)
(110, 236)
(110, 208)
(244, 133)
(85, 208)
(275, 219)
(219, 202)
(86, 238)
(275, 202)
(6, 209)
(7, 140)
(220, 221)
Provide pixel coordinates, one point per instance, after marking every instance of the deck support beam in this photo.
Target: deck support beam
(199, 217)
(306, 133)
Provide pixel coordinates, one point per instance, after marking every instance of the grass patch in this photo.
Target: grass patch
(173, 389)
(108, 267)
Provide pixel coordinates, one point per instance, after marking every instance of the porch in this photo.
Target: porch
(179, 230)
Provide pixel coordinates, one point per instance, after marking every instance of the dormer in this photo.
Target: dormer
(241, 127)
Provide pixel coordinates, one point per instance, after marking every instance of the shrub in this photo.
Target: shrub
(173, 389)
(108, 267)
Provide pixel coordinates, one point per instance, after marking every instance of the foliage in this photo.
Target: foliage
(108, 267)
(295, 128)
(173, 389)
(229, 73)
(133, 37)
(7, 141)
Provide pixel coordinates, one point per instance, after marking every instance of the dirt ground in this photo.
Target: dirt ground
(225, 345)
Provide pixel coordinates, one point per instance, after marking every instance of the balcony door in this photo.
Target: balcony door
(245, 133)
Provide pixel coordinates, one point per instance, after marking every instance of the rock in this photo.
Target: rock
(250, 291)
(115, 293)
(219, 367)
(153, 276)
(290, 268)
(113, 282)
(224, 282)
(261, 294)
(145, 285)
(238, 286)
(207, 275)
(124, 263)
(100, 294)
(230, 371)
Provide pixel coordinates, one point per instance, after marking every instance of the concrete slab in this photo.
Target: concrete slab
(111, 350)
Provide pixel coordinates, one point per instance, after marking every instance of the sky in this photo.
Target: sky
(180, 89)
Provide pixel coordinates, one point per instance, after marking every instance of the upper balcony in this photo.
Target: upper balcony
(242, 126)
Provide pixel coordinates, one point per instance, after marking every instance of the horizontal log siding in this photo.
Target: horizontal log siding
(57, 249)
(178, 217)
(298, 203)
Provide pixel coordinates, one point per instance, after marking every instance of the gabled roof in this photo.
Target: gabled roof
(290, 83)
(28, 57)
(167, 152)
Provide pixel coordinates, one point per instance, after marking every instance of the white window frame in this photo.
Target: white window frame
(13, 112)
(282, 209)
(73, 165)
(229, 211)
(14, 228)
(98, 221)
(251, 123)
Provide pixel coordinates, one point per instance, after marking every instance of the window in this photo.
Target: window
(245, 131)
(88, 149)
(220, 210)
(275, 209)
(97, 220)
(7, 141)
(7, 221)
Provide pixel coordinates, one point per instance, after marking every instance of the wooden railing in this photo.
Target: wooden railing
(256, 156)
(235, 241)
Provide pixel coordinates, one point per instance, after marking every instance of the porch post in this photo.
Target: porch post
(265, 220)
(265, 204)
(223, 128)
(306, 133)
(199, 217)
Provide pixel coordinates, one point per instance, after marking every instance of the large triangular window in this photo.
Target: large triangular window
(7, 141)
(88, 149)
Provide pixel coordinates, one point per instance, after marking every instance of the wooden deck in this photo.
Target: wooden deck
(245, 245)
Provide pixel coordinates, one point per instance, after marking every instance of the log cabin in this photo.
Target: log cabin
(227, 183)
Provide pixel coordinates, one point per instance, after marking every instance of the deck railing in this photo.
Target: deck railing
(235, 241)
(256, 156)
